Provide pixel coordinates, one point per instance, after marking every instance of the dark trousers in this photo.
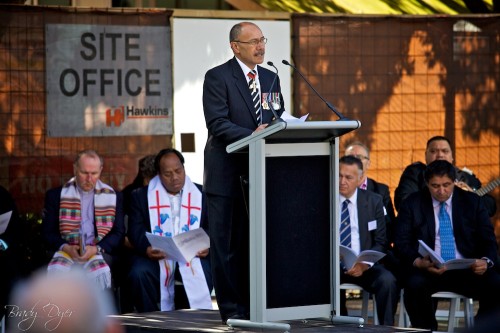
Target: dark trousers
(143, 284)
(229, 252)
(420, 285)
(380, 282)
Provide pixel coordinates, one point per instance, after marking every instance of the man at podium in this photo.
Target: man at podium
(237, 100)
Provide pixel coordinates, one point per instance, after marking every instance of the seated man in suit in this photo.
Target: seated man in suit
(362, 152)
(170, 204)
(438, 148)
(455, 224)
(363, 228)
(83, 221)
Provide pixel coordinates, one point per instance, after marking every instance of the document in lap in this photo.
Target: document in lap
(4, 221)
(425, 250)
(182, 247)
(349, 258)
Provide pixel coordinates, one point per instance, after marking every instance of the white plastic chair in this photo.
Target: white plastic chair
(454, 311)
(365, 298)
(452, 314)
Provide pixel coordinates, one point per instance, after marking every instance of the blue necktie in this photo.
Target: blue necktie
(345, 225)
(446, 234)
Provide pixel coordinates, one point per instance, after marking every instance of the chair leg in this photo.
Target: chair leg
(404, 319)
(469, 312)
(452, 314)
(375, 313)
(364, 307)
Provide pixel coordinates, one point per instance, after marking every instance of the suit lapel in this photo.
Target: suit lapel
(242, 85)
(362, 206)
(430, 220)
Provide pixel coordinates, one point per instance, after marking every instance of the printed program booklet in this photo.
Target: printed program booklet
(4, 221)
(182, 247)
(425, 250)
(349, 258)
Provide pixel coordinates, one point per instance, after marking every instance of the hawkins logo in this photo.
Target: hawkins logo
(118, 116)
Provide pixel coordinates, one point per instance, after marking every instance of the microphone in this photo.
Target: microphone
(276, 118)
(328, 104)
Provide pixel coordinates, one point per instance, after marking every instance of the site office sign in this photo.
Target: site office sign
(108, 80)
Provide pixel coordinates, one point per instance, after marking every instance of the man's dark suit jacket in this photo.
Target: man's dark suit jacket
(412, 180)
(139, 221)
(230, 116)
(370, 208)
(474, 235)
(383, 191)
(50, 224)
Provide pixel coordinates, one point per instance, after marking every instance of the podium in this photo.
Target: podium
(293, 208)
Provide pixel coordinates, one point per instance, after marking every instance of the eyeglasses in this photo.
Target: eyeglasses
(361, 157)
(253, 42)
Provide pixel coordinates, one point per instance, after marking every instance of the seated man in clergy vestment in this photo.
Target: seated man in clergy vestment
(83, 221)
(169, 205)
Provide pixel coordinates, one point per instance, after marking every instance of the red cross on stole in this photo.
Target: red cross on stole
(189, 207)
(158, 207)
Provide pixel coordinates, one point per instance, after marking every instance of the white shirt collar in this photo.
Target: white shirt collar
(246, 69)
(436, 203)
(353, 199)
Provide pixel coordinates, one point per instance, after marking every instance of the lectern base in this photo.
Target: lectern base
(251, 324)
(348, 320)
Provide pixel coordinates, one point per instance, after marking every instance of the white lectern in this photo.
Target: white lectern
(293, 196)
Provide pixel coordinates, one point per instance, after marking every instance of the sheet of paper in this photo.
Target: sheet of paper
(4, 221)
(182, 247)
(370, 256)
(191, 242)
(349, 258)
(289, 118)
(425, 250)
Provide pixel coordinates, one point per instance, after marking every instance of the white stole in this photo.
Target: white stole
(160, 215)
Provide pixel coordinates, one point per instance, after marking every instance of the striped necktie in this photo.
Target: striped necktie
(446, 234)
(254, 91)
(345, 225)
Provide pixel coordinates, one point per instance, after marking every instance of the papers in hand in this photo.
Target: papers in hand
(289, 118)
(425, 250)
(182, 247)
(349, 258)
(4, 221)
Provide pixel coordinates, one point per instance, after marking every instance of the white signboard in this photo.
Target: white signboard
(107, 80)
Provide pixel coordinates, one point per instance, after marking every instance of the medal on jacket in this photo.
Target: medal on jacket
(253, 86)
(275, 100)
(264, 103)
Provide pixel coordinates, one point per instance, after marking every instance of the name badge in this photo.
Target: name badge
(372, 225)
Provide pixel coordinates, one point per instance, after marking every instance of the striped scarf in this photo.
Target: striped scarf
(70, 211)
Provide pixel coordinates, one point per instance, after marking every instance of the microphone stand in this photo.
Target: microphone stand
(328, 104)
(277, 119)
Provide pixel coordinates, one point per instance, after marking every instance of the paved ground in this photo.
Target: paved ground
(354, 308)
